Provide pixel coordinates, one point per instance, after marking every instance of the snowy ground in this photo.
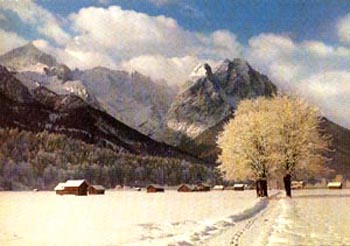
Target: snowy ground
(312, 217)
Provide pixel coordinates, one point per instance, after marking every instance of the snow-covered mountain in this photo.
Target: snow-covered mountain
(131, 98)
(199, 113)
(211, 99)
(70, 115)
(35, 68)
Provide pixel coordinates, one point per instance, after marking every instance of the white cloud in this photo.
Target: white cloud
(330, 91)
(175, 69)
(9, 41)
(76, 58)
(343, 28)
(45, 22)
(130, 34)
(132, 39)
(317, 71)
(115, 37)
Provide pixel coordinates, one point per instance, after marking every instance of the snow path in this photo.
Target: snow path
(205, 232)
(247, 228)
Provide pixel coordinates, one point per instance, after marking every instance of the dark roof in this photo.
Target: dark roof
(191, 187)
(155, 186)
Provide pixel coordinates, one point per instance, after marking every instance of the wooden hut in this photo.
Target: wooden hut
(76, 187)
(185, 188)
(202, 187)
(154, 188)
(238, 187)
(334, 185)
(60, 188)
(96, 190)
(297, 185)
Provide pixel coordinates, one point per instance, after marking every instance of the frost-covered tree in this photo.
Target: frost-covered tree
(273, 136)
(248, 150)
(302, 145)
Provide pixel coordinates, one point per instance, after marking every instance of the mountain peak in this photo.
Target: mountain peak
(26, 56)
(30, 46)
(213, 98)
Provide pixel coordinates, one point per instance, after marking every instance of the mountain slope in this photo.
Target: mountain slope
(212, 99)
(72, 116)
(131, 98)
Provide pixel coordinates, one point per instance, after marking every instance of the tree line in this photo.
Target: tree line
(40, 160)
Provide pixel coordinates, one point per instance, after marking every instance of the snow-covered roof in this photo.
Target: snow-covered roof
(60, 186)
(334, 184)
(98, 187)
(75, 183)
(218, 187)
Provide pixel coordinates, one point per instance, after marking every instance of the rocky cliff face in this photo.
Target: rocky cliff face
(211, 99)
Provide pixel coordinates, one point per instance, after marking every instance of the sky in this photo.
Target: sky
(302, 46)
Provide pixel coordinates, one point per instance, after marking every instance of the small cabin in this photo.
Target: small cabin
(60, 188)
(239, 187)
(185, 188)
(297, 185)
(218, 187)
(96, 190)
(202, 187)
(76, 187)
(334, 185)
(154, 188)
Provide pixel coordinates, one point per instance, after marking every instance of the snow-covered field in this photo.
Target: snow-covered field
(312, 217)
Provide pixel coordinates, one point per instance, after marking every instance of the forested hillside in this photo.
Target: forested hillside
(40, 160)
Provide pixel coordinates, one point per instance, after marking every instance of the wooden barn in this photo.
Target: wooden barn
(238, 187)
(154, 188)
(60, 188)
(76, 187)
(334, 185)
(96, 190)
(185, 188)
(202, 187)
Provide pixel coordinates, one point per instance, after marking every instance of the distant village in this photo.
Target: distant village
(82, 187)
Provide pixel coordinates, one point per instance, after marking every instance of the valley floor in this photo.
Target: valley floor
(312, 217)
